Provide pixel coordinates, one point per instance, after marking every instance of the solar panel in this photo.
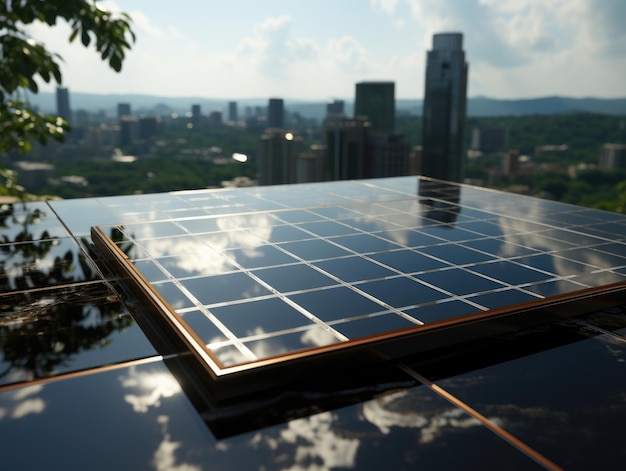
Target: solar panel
(253, 277)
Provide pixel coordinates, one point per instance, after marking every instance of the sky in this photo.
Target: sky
(312, 50)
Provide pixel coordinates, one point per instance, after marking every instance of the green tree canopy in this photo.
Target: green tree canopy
(24, 61)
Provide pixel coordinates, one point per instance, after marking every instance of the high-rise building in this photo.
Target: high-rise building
(216, 119)
(445, 100)
(63, 103)
(335, 108)
(123, 109)
(347, 149)
(376, 101)
(490, 140)
(232, 111)
(613, 156)
(276, 113)
(278, 157)
(196, 114)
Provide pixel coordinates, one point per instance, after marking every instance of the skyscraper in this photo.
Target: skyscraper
(196, 114)
(376, 101)
(123, 109)
(232, 111)
(335, 108)
(276, 113)
(278, 157)
(63, 103)
(445, 100)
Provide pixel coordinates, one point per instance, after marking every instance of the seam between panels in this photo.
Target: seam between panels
(80, 373)
(493, 427)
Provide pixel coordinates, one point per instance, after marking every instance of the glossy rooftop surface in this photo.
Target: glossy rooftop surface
(80, 383)
(367, 259)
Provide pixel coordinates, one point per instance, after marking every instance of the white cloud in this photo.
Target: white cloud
(388, 6)
(348, 54)
(27, 407)
(273, 50)
(149, 388)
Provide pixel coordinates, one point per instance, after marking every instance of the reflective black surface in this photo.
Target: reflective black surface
(563, 393)
(82, 387)
(139, 418)
(55, 331)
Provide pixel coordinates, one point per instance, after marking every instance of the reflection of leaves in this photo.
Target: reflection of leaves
(39, 335)
(27, 253)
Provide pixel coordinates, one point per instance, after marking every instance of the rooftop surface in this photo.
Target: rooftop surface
(509, 310)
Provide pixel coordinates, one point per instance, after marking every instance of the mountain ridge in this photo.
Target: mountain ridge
(478, 106)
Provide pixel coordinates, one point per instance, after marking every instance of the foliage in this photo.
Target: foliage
(9, 185)
(146, 175)
(25, 61)
(583, 133)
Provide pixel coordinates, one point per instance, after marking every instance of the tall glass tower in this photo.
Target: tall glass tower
(376, 101)
(63, 103)
(445, 101)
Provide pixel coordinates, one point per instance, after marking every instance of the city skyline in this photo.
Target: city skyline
(518, 49)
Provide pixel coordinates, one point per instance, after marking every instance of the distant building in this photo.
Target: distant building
(389, 155)
(510, 162)
(148, 127)
(347, 149)
(490, 140)
(123, 109)
(196, 114)
(278, 155)
(63, 103)
(310, 165)
(613, 156)
(216, 119)
(445, 101)
(276, 113)
(335, 108)
(33, 175)
(415, 161)
(355, 150)
(376, 101)
(129, 131)
(232, 112)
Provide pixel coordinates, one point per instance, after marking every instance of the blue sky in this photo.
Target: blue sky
(319, 50)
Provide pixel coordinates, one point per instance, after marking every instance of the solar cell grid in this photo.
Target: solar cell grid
(274, 270)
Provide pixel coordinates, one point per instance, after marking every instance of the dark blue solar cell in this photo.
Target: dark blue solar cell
(401, 292)
(297, 216)
(552, 288)
(336, 303)
(311, 337)
(222, 288)
(373, 325)
(407, 261)
(256, 257)
(173, 295)
(456, 254)
(293, 278)
(260, 317)
(327, 228)
(364, 243)
(314, 249)
(503, 298)
(280, 233)
(510, 272)
(441, 311)
(459, 281)
(409, 238)
(352, 269)
(203, 327)
(449, 232)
